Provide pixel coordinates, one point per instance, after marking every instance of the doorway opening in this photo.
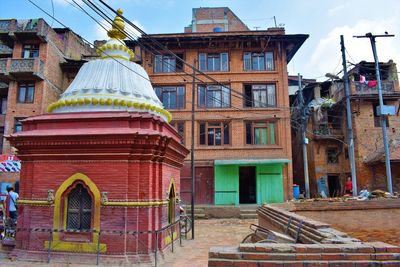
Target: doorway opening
(334, 185)
(171, 204)
(247, 185)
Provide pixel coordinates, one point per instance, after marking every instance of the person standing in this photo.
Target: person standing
(349, 186)
(12, 208)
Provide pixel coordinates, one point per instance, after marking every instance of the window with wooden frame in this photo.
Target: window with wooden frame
(258, 61)
(261, 133)
(168, 63)
(214, 133)
(79, 209)
(3, 105)
(214, 62)
(18, 124)
(180, 128)
(172, 97)
(260, 95)
(213, 96)
(26, 92)
(332, 155)
(30, 51)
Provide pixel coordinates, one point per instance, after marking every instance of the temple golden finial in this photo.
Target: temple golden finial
(118, 26)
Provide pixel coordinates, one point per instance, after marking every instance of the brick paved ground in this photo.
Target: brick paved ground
(209, 233)
(193, 253)
(217, 232)
(391, 236)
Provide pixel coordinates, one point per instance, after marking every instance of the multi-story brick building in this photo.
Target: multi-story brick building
(35, 67)
(326, 131)
(242, 118)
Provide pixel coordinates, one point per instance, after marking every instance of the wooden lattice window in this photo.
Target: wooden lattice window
(79, 210)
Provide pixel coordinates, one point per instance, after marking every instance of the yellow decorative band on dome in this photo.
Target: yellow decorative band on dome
(108, 102)
(121, 47)
(116, 56)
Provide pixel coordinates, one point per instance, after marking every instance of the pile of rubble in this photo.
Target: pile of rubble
(362, 196)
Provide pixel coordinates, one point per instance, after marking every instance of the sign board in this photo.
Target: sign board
(9, 163)
(386, 110)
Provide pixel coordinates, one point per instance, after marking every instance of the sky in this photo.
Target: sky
(323, 20)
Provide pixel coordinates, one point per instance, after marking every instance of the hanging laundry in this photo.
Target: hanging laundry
(22, 23)
(362, 79)
(372, 84)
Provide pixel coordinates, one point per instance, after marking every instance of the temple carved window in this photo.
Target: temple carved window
(79, 209)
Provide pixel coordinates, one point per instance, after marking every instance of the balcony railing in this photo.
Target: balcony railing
(3, 66)
(5, 25)
(22, 67)
(323, 131)
(359, 89)
(38, 26)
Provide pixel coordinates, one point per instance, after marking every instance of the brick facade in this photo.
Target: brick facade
(367, 135)
(55, 46)
(236, 114)
(215, 19)
(135, 159)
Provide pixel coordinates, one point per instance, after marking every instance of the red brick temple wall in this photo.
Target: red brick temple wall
(134, 158)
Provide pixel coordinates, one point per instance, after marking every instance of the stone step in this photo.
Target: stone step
(248, 216)
(247, 211)
(366, 248)
(306, 256)
(197, 215)
(196, 210)
(249, 263)
(200, 216)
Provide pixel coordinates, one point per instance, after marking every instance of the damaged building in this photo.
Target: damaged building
(326, 131)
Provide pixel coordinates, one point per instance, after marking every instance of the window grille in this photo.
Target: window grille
(79, 211)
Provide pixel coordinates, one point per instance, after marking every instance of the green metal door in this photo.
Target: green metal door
(269, 184)
(226, 184)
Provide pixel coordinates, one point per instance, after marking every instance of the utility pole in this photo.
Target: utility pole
(350, 139)
(303, 138)
(380, 108)
(192, 147)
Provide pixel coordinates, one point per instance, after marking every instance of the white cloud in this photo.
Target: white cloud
(333, 11)
(101, 34)
(327, 53)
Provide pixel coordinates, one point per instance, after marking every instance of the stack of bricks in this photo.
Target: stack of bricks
(319, 245)
(268, 254)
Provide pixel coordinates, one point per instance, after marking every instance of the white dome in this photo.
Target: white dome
(111, 83)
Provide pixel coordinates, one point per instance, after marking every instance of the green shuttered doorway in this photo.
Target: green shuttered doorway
(269, 183)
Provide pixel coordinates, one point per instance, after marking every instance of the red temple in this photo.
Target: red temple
(100, 173)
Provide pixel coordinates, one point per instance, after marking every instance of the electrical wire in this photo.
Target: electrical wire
(157, 43)
(239, 109)
(109, 20)
(58, 21)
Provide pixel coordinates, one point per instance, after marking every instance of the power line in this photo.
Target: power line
(239, 109)
(58, 21)
(108, 19)
(231, 106)
(169, 51)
